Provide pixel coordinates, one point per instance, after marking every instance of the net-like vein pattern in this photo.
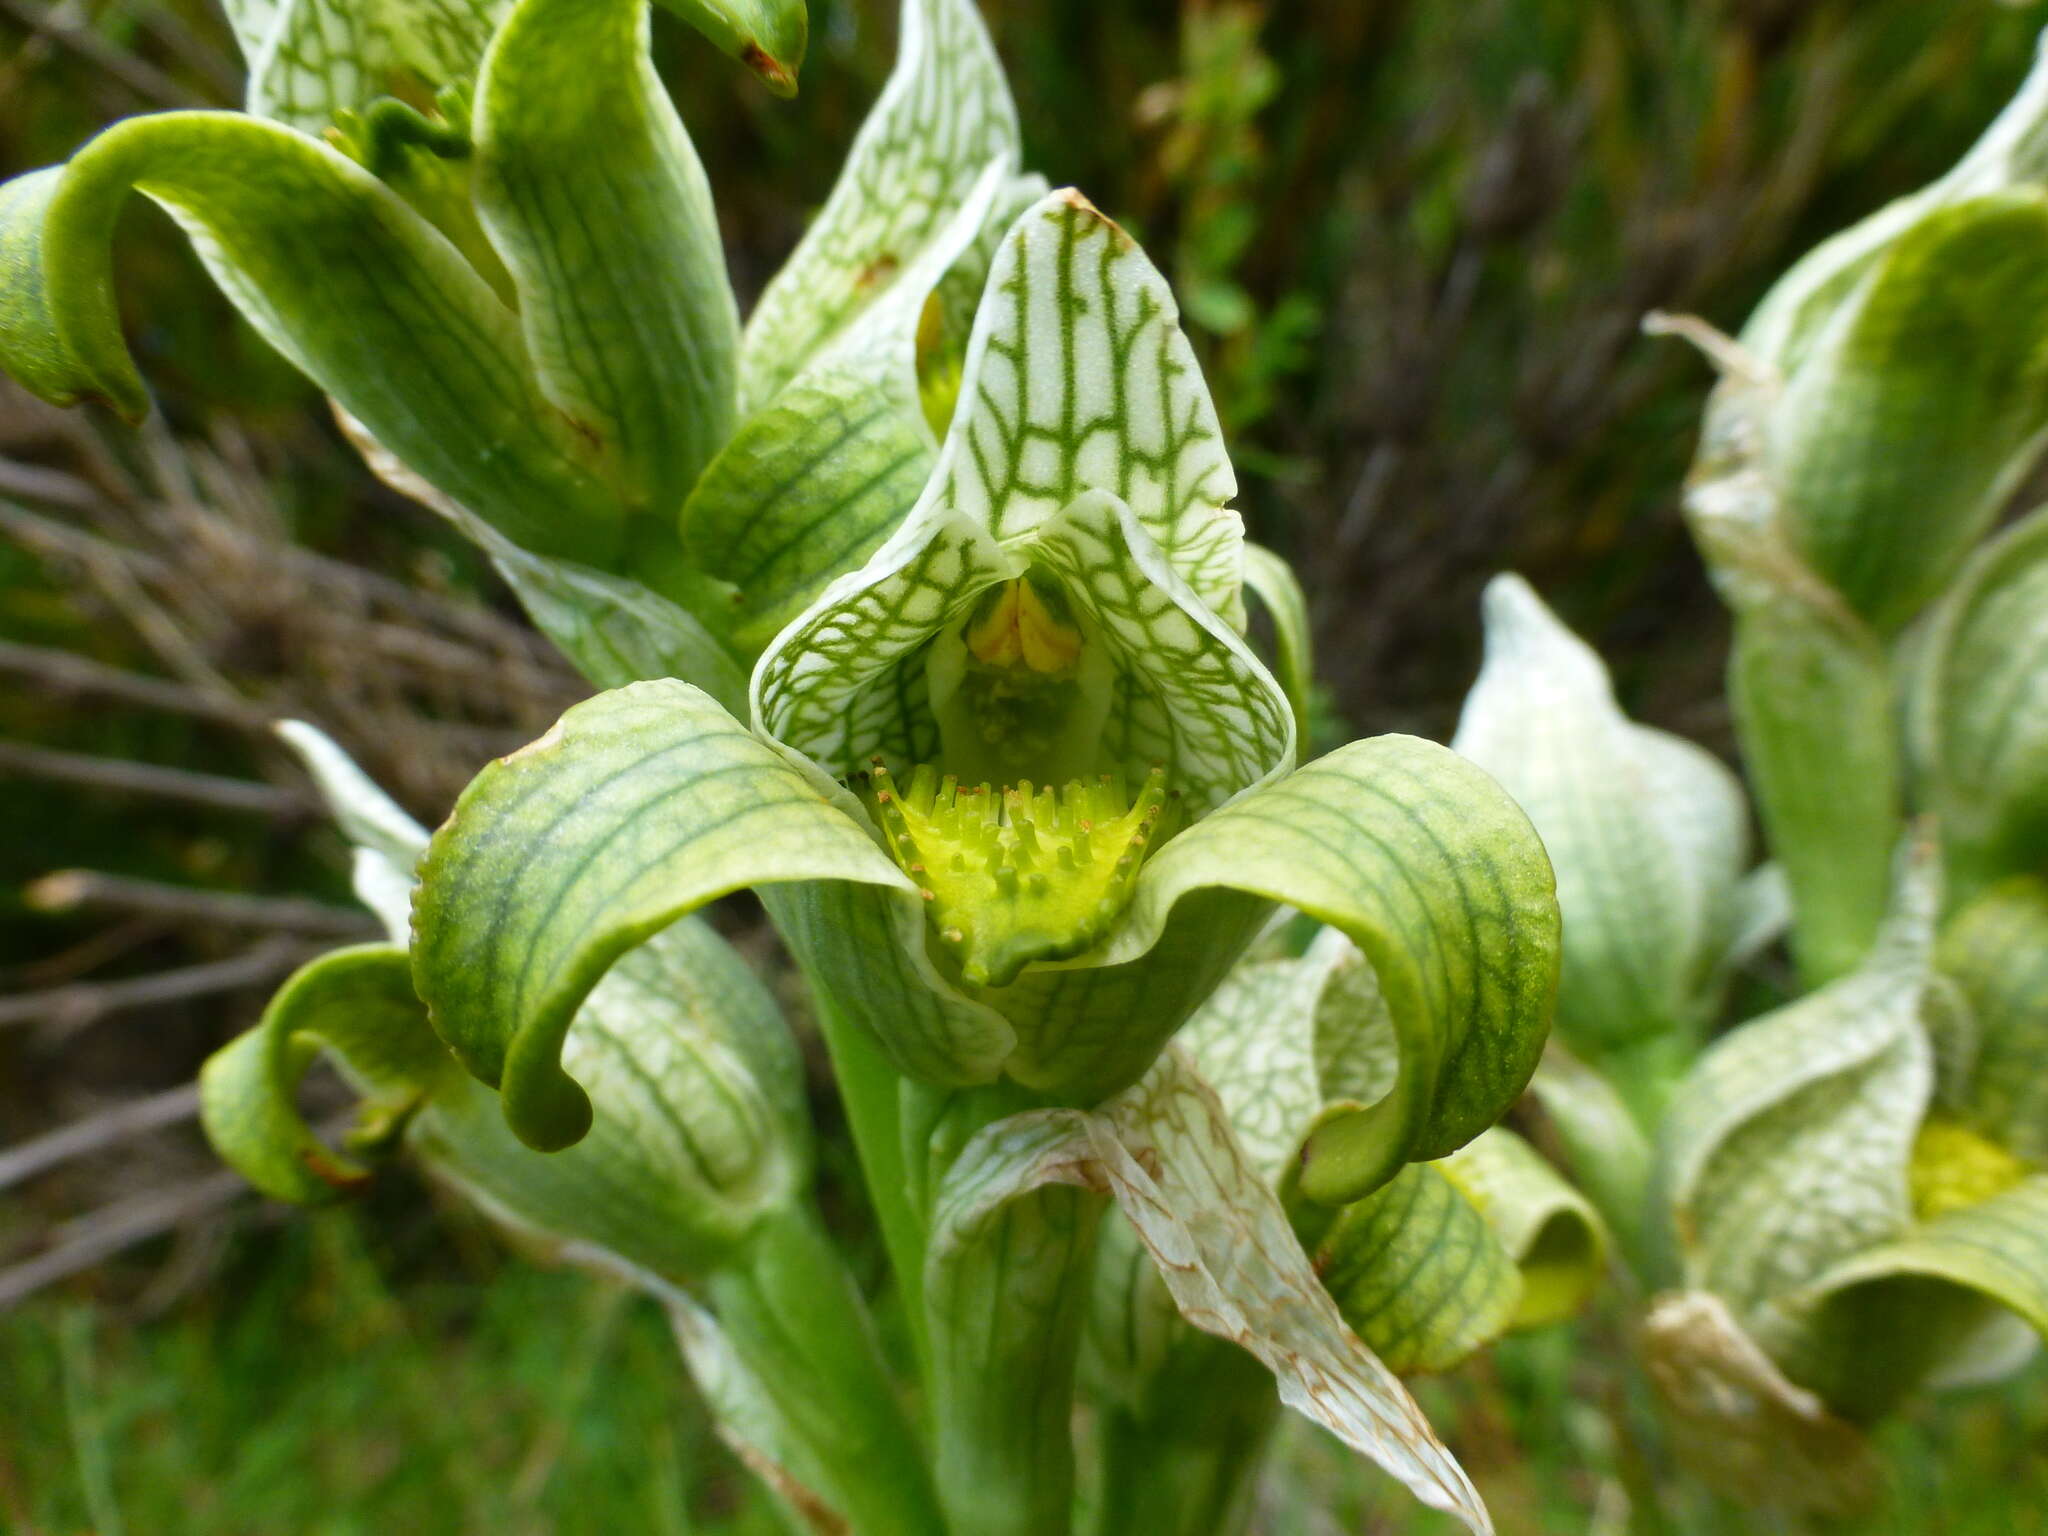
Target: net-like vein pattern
(846, 682)
(943, 115)
(307, 58)
(1079, 378)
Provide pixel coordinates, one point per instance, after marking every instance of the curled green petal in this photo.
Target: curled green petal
(339, 275)
(357, 1002)
(1423, 862)
(1546, 1226)
(636, 808)
(1786, 1149)
(1878, 1324)
(701, 1130)
(1417, 1272)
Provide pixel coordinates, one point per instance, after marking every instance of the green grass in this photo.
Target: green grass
(305, 1393)
(390, 1370)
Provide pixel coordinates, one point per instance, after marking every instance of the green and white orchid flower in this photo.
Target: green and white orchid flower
(1878, 409)
(1858, 1208)
(517, 300)
(1841, 1201)
(921, 606)
(1053, 609)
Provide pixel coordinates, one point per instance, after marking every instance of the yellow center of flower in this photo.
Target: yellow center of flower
(1953, 1167)
(1021, 874)
(1015, 627)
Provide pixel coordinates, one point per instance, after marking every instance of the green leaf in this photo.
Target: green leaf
(595, 199)
(310, 59)
(386, 841)
(816, 479)
(1918, 406)
(637, 807)
(617, 631)
(1785, 1150)
(944, 114)
(1647, 833)
(1996, 949)
(1273, 582)
(1549, 1229)
(357, 1002)
(1423, 862)
(1980, 711)
(339, 275)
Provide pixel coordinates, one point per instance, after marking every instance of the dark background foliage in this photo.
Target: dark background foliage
(1413, 242)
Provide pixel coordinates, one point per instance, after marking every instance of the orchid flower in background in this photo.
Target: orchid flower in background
(1882, 404)
(1843, 1200)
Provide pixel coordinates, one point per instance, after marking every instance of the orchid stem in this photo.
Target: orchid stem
(869, 1088)
(798, 1321)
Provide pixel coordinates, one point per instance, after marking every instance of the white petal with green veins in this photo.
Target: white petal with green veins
(814, 481)
(944, 114)
(308, 59)
(1078, 378)
(848, 680)
(1646, 832)
(1785, 1150)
